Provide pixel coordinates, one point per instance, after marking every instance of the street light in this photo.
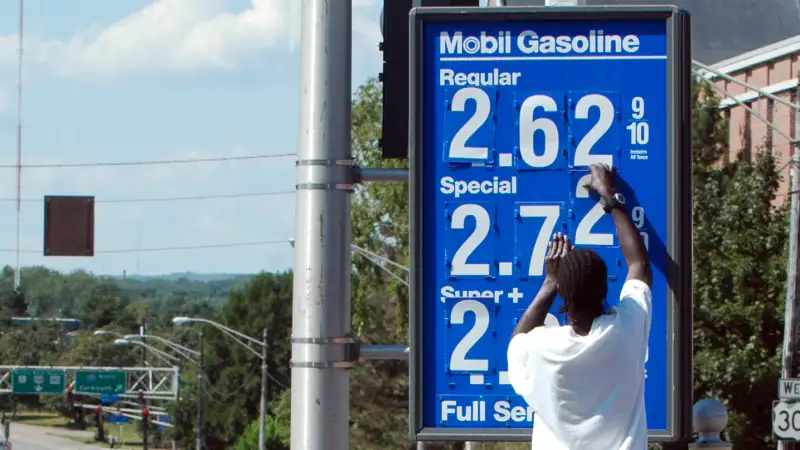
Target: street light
(242, 339)
(233, 334)
(107, 333)
(186, 352)
(199, 444)
(169, 359)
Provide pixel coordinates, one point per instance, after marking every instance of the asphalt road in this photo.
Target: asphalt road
(28, 437)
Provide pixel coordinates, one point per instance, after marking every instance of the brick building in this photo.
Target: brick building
(773, 68)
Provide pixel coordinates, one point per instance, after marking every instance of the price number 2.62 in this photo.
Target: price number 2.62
(536, 115)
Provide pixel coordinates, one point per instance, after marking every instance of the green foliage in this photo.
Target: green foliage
(183, 286)
(740, 239)
(249, 439)
(379, 222)
(234, 393)
(277, 427)
(380, 302)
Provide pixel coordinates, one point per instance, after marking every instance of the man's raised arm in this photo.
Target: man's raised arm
(630, 241)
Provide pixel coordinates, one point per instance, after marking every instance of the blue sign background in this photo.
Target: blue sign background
(498, 196)
(114, 418)
(109, 398)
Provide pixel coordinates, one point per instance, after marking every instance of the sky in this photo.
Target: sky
(136, 80)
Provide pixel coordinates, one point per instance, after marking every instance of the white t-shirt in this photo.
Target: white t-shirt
(587, 391)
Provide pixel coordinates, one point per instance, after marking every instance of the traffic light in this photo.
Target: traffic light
(395, 76)
(145, 427)
(98, 417)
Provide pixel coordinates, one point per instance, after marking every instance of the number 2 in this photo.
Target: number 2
(583, 234)
(458, 359)
(483, 106)
(482, 225)
(582, 155)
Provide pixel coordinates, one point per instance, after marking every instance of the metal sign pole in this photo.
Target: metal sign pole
(790, 325)
(321, 344)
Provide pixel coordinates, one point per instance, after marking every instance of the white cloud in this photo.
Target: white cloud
(178, 35)
(171, 35)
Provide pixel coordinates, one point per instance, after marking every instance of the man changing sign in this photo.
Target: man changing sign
(549, 366)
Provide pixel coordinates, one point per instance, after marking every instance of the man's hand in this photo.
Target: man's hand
(559, 247)
(602, 180)
(630, 242)
(534, 316)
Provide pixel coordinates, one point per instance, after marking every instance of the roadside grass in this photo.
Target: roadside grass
(43, 419)
(128, 438)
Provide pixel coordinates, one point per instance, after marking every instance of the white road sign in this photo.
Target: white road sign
(786, 420)
(789, 388)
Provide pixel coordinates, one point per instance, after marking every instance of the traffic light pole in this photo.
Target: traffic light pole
(322, 348)
(200, 380)
(262, 435)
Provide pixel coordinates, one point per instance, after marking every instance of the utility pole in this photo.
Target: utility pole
(145, 423)
(321, 341)
(262, 435)
(790, 320)
(142, 334)
(200, 380)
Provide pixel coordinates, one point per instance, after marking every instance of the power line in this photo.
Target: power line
(166, 199)
(168, 249)
(146, 163)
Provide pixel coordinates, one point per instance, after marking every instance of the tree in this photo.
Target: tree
(232, 382)
(380, 301)
(740, 239)
(277, 426)
(379, 222)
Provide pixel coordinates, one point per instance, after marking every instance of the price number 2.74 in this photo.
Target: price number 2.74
(462, 264)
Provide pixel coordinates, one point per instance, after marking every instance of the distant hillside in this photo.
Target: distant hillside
(189, 276)
(182, 286)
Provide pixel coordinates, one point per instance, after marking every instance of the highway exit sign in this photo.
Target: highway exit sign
(37, 381)
(101, 381)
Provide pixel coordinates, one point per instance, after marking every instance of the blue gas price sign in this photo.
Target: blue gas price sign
(510, 106)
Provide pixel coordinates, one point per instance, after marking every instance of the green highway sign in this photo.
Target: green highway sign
(37, 381)
(101, 381)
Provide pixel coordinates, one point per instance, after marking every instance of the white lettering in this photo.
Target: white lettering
(457, 188)
(475, 411)
(485, 44)
(530, 42)
(451, 292)
(503, 412)
(449, 77)
(596, 42)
